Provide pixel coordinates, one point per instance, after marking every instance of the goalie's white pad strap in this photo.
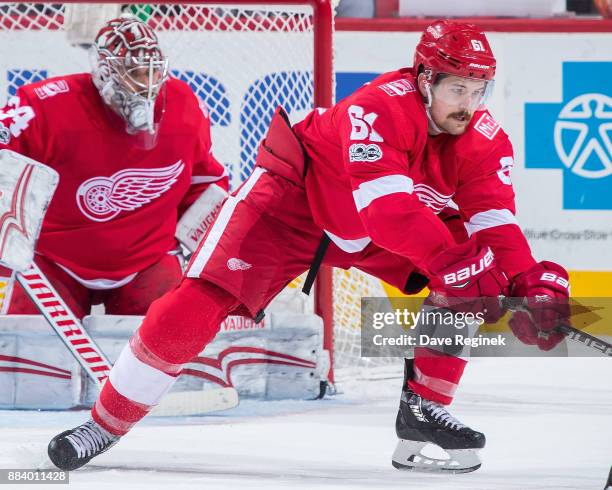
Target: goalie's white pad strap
(26, 188)
(194, 223)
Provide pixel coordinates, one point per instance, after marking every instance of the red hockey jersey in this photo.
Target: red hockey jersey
(375, 175)
(476, 168)
(117, 204)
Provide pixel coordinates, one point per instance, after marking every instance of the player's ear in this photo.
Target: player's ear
(424, 87)
(423, 84)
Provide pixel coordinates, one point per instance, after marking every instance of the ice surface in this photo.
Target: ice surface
(548, 424)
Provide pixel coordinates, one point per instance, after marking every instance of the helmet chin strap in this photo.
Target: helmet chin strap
(434, 126)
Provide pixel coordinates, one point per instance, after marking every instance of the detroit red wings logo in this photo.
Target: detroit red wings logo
(103, 198)
(431, 197)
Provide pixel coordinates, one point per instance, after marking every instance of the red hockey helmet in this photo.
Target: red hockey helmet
(128, 36)
(457, 49)
(129, 70)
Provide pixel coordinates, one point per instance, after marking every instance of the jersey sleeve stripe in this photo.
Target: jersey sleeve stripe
(349, 246)
(490, 219)
(383, 186)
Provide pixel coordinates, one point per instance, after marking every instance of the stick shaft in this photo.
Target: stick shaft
(587, 339)
(65, 323)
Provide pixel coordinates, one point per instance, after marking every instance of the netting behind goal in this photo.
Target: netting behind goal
(241, 59)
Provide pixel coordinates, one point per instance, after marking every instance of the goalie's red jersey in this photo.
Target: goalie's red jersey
(375, 175)
(117, 204)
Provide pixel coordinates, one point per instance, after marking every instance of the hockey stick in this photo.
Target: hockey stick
(91, 358)
(572, 333)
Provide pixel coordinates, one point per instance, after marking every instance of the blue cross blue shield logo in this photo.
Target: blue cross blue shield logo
(575, 135)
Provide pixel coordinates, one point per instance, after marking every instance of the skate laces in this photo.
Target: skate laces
(90, 438)
(439, 413)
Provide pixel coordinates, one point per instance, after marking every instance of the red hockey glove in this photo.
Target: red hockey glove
(468, 279)
(545, 289)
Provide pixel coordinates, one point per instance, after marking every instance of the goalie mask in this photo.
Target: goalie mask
(129, 71)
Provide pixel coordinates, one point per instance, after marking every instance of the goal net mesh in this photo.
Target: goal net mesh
(242, 61)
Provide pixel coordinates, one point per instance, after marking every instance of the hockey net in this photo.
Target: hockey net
(241, 59)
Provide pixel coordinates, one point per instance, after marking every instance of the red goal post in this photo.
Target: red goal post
(197, 35)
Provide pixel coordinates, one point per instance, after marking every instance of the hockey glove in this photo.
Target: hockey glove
(544, 290)
(466, 278)
(196, 221)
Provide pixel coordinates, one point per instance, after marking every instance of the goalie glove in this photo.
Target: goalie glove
(26, 189)
(196, 221)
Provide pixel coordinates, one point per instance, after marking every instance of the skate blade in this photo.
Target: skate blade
(408, 455)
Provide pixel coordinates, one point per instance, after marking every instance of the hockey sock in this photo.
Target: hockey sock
(436, 375)
(177, 327)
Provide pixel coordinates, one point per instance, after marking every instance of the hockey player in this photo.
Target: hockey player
(133, 150)
(359, 185)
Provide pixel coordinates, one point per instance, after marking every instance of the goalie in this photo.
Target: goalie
(133, 149)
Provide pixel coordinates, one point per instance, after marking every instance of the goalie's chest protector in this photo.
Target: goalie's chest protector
(106, 174)
(115, 209)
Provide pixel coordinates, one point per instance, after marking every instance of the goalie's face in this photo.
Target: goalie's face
(140, 76)
(129, 71)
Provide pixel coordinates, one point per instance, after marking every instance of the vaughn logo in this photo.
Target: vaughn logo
(202, 228)
(463, 275)
(103, 198)
(360, 152)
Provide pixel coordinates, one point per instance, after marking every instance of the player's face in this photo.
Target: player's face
(454, 101)
(142, 76)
